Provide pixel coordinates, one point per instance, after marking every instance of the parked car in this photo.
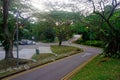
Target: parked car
(27, 42)
(0, 44)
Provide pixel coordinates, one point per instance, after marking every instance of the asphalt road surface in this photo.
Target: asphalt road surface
(60, 68)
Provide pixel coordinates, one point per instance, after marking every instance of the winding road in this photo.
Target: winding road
(58, 69)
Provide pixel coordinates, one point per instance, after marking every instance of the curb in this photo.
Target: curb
(72, 73)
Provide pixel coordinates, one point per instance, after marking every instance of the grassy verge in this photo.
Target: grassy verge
(64, 49)
(40, 59)
(95, 43)
(8, 65)
(12, 62)
(100, 69)
(42, 56)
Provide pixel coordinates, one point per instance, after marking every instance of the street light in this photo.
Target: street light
(17, 46)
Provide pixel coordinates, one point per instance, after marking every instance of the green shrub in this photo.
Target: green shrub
(79, 41)
(94, 43)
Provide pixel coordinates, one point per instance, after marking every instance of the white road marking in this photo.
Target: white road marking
(86, 54)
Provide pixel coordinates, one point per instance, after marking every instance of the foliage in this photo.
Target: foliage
(105, 24)
(87, 26)
(43, 31)
(95, 43)
(49, 35)
(102, 31)
(111, 39)
(62, 30)
(110, 18)
(47, 24)
(62, 20)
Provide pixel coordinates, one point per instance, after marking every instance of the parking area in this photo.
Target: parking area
(27, 51)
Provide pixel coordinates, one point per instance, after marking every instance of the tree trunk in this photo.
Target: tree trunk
(60, 40)
(8, 43)
(9, 50)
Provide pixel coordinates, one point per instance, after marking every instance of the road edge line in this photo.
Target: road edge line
(69, 75)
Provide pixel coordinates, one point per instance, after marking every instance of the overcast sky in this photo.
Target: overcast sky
(45, 5)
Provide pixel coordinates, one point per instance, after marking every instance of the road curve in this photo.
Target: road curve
(60, 68)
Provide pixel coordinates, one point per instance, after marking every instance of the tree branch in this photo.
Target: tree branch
(106, 19)
(114, 5)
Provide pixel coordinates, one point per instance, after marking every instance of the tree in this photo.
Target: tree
(108, 24)
(8, 43)
(47, 22)
(7, 27)
(62, 30)
(111, 35)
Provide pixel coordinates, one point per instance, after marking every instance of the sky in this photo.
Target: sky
(38, 4)
(45, 5)
(42, 4)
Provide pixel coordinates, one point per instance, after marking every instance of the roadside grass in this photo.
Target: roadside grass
(8, 66)
(100, 69)
(42, 56)
(95, 43)
(64, 49)
(12, 62)
(38, 59)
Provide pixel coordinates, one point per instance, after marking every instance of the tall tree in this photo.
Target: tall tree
(8, 28)
(8, 43)
(63, 21)
(111, 35)
(58, 20)
(62, 30)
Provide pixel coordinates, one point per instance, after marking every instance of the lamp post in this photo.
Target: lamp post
(17, 46)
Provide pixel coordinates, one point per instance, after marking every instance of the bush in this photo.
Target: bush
(94, 43)
(48, 35)
(79, 41)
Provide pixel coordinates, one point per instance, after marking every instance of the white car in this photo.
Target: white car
(27, 42)
(0, 44)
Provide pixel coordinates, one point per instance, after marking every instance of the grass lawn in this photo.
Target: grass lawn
(100, 69)
(64, 49)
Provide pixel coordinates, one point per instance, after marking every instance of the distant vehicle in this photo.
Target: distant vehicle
(27, 42)
(0, 44)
